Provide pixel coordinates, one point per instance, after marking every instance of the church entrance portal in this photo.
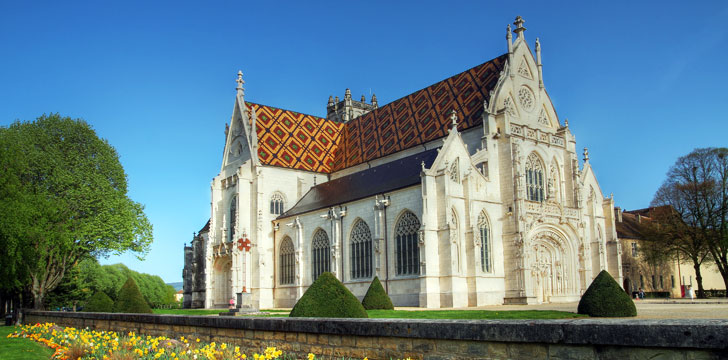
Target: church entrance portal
(551, 268)
(222, 281)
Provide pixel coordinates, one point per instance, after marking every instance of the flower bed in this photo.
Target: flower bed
(71, 344)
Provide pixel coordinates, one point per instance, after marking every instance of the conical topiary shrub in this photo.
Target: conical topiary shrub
(328, 297)
(376, 297)
(99, 302)
(130, 299)
(605, 298)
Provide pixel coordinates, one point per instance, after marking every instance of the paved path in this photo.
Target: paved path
(646, 309)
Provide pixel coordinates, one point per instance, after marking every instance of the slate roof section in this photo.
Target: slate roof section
(419, 117)
(293, 140)
(384, 178)
(205, 228)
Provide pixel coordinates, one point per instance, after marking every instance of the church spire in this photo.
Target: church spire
(240, 82)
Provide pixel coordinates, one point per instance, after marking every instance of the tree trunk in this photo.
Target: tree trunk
(38, 297)
(699, 280)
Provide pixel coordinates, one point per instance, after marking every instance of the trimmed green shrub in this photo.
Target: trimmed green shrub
(99, 302)
(328, 297)
(376, 298)
(605, 298)
(130, 299)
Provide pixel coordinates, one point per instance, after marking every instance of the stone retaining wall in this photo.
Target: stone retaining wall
(429, 339)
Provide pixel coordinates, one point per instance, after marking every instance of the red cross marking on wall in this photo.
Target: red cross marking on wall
(244, 243)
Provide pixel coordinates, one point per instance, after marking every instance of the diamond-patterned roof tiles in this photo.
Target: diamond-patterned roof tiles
(294, 140)
(419, 117)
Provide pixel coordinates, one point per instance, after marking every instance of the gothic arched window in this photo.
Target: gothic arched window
(485, 246)
(534, 178)
(320, 253)
(407, 256)
(233, 216)
(276, 204)
(361, 251)
(287, 261)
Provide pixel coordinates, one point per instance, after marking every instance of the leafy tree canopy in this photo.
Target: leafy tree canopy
(88, 277)
(64, 198)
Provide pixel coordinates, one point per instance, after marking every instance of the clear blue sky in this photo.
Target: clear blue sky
(641, 83)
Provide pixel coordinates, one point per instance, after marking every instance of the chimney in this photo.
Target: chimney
(618, 213)
(639, 218)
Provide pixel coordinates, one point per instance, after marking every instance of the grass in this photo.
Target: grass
(21, 349)
(416, 314)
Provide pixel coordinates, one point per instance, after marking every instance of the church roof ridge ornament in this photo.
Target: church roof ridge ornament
(586, 155)
(240, 82)
(454, 119)
(519, 27)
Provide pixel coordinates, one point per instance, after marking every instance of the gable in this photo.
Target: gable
(294, 140)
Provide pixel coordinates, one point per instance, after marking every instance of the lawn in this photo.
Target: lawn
(416, 314)
(21, 349)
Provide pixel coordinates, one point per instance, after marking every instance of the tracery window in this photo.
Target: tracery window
(287, 262)
(534, 178)
(485, 247)
(320, 253)
(276, 204)
(233, 216)
(407, 256)
(361, 251)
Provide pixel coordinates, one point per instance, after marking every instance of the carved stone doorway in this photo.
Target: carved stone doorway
(222, 282)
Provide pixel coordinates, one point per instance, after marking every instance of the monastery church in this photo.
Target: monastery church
(468, 192)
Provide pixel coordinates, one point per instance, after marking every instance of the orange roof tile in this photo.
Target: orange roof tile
(299, 141)
(294, 140)
(419, 117)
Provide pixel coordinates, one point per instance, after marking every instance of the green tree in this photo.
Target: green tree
(99, 302)
(130, 300)
(376, 298)
(328, 297)
(697, 189)
(64, 198)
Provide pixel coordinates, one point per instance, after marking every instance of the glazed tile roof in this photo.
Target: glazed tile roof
(306, 142)
(419, 117)
(294, 140)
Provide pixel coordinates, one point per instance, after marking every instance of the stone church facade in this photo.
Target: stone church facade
(466, 193)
